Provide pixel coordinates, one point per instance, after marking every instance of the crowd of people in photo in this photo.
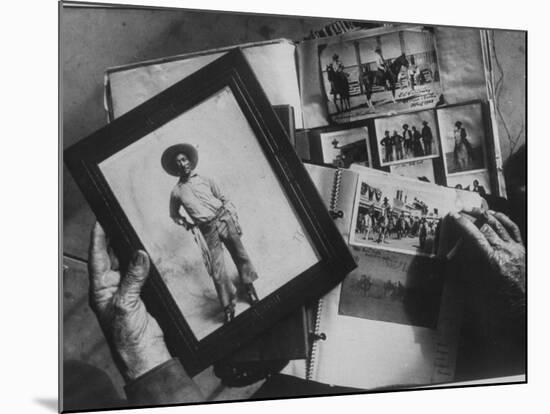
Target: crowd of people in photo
(410, 143)
(387, 223)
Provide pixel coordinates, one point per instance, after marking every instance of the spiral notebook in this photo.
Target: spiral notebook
(394, 321)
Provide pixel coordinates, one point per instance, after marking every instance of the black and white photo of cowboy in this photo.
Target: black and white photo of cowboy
(463, 138)
(390, 72)
(406, 138)
(199, 205)
(207, 206)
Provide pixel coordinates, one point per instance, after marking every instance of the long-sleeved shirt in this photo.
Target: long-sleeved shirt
(201, 198)
(380, 62)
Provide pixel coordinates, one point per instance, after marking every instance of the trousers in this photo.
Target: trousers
(222, 231)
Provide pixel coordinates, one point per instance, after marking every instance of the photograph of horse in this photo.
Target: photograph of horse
(375, 75)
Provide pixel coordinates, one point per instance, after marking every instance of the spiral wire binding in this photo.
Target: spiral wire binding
(316, 337)
(335, 196)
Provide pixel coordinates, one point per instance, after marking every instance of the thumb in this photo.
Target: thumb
(134, 279)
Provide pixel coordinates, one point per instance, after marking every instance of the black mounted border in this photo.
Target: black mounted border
(335, 261)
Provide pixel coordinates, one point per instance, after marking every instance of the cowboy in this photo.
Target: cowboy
(209, 210)
(427, 138)
(407, 139)
(383, 69)
(398, 142)
(387, 142)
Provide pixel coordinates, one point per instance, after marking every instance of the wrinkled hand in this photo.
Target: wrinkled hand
(134, 335)
(487, 256)
(497, 242)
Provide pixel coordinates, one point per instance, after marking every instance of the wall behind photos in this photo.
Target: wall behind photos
(509, 65)
(94, 39)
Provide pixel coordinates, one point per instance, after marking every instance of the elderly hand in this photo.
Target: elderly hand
(134, 335)
(485, 250)
(497, 243)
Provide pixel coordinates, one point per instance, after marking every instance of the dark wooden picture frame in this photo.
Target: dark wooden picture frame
(334, 259)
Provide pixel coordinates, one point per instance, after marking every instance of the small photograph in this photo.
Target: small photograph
(346, 147)
(462, 137)
(409, 298)
(210, 211)
(478, 182)
(399, 215)
(406, 138)
(393, 72)
(422, 170)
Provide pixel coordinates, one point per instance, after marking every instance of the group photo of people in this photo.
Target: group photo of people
(380, 74)
(400, 221)
(405, 138)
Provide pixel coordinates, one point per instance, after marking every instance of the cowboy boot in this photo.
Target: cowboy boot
(251, 294)
(229, 312)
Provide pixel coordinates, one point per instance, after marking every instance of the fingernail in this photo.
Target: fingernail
(139, 258)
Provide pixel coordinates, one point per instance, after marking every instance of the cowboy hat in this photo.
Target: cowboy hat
(424, 122)
(168, 159)
(335, 57)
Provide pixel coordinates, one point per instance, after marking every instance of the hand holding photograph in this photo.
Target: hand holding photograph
(205, 180)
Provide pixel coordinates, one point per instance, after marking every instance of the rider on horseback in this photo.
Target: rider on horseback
(384, 72)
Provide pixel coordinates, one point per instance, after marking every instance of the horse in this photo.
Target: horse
(383, 227)
(387, 79)
(401, 227)
(339, 87)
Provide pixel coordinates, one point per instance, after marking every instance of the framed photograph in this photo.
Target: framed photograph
(389, 71)
(345, 147)
(405, 138)
(463, 138)
(204, 178)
